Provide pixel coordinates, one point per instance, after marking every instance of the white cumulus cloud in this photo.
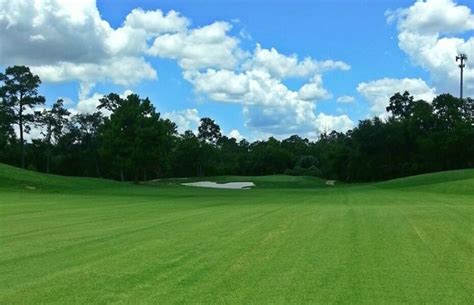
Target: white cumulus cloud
(427, 33)
(328, 123)
(345, 99)
(234, 133)
(123, 71)
(156, 22)
(313, 90)
(269, 105)
(70, 41)
(284, 66)
(378, 92)
(187, 119)
(206, 47)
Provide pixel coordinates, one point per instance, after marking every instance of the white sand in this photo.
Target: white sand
(330, 182)
(230, 185)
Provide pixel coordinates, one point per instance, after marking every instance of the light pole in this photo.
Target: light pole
(461, 57)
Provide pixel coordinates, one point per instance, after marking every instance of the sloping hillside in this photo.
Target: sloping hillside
(458, 181)
(17, 178)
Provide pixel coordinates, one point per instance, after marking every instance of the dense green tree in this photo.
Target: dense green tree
(306, 165)
(7, 133)
(422, 117)
(154, 141)
(468, 109)
(209, 131)
(297, 147)
(333, 151)
(19, 93)
(87, 127)
(268, 157)
(449, 111)
(134, 137)
(401, 105)
(52, 121)
(185, 158)
(70, 157)
(229, 155)
(8, 139)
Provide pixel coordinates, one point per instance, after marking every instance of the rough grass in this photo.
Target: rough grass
(291, 240)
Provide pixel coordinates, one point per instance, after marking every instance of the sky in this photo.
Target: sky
(258, 68)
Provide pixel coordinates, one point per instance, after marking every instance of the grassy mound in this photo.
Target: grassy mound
(458, 181)
(19, 179)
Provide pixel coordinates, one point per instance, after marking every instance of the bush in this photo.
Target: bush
(300, 171)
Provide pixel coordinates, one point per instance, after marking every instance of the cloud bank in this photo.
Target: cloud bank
(69, 41)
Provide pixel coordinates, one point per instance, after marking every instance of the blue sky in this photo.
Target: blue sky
(363, 35)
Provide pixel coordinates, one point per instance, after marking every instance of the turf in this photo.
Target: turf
(291, 240)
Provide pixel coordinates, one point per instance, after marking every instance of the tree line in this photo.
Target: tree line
(127, 139)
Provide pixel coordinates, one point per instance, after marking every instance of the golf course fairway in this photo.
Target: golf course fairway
(288, 240)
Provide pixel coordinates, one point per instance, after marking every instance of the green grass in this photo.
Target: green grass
(291, 240)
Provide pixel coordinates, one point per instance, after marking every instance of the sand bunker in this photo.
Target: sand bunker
(331, 182)
(230, 185)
